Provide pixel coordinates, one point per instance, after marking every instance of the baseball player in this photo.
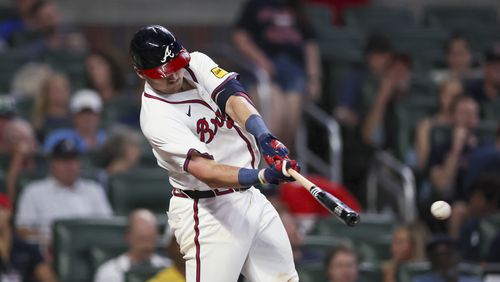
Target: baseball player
(206, 133)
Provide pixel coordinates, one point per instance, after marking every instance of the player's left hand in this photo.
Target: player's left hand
(272, 149)
(277, 172)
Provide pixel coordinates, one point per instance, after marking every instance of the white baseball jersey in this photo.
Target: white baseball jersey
(177, 124)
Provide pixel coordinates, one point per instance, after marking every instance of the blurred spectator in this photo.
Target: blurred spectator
(378, 128)
(142, 236)
(21, 147)
(448, 90)
(120, 153)
(442, 252)
(28, 81)
(277, 37)
(408, 245)
(449, 161)
(342, 264)
(7, 113)
(19, 260)
(352, 105)
(485, 159)
(487, 89)
(104, 75)
(51, 109)
(63, 194)
(21, 23)
(46, 31)
(458, 61)
(484, 201)
(86, 108)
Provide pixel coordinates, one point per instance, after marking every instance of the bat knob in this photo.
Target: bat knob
(352, 218)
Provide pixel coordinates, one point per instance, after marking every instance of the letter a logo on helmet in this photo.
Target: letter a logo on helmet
(156, 53)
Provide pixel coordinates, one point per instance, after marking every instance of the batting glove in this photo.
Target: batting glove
(277, 172)
(272, 149)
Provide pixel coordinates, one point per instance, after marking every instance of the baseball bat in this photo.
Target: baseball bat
(330, 202)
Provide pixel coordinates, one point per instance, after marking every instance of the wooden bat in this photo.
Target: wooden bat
(330, 202)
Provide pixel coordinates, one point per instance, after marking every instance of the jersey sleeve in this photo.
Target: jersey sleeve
(219, 83)
(174, 144)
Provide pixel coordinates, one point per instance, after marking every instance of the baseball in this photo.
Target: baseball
(441, 210)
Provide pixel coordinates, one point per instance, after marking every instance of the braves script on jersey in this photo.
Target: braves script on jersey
(232, 233)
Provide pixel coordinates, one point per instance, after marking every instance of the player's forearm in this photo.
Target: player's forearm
(217, 175)
(239, 109)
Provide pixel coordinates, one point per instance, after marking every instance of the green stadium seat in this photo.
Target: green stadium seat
(148, 188)
(408, 271)
(321, 16)
(71, 63)
(342, 45)
(409, 114)
(490, 111)
(11, 61)
(311, 273)
(80, 244)
(460, 17)
(73, 240)
(141, 274)
(117, 109)
(488, 228)
(379, 18)
(424, 45)
(370, 225)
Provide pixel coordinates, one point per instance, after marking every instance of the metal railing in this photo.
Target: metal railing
(395, 178)
(333, 169)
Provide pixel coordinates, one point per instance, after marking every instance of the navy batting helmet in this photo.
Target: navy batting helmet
(156, 53)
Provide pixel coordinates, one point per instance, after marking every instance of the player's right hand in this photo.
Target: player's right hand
(277, 173)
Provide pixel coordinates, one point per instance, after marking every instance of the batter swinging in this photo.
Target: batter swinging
(204, 131)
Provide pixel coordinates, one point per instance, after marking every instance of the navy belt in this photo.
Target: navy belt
(193, 194)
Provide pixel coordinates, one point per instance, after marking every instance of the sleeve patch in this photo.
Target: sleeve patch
(218, 72)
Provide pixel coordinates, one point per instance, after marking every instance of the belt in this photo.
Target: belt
(204, 194)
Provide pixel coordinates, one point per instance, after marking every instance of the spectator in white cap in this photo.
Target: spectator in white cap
(85, 107)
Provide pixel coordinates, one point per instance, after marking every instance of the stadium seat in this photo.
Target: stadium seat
(490, 110)
(379, 18)
(408, 271)
(460, 17)
(116, 110)
(409, 114)
(69, 62)
(11, 62)
(79, 244)
(141, 274)
(321, 17)
(73, 240)
(140, 189)
(311, 273)
(342, 45)
(371, 237)
(423, 45)
(488, 228)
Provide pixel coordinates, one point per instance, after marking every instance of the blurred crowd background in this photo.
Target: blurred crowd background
(389, 105)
